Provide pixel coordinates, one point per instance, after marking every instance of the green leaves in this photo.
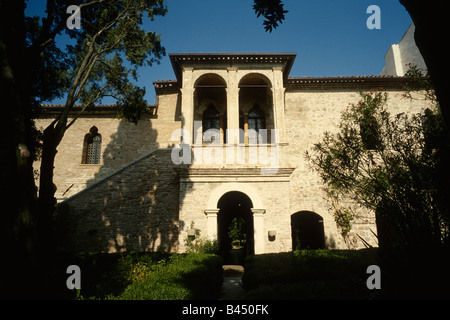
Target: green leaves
(272, 10)
(387, 164)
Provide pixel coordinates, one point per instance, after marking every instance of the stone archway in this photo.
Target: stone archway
(235, 206)
(307, 230)
(257, 211)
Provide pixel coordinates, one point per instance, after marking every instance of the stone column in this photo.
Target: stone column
(211, 216)
(258, 229)
(278, 104)
(187, 105)
(233, 106)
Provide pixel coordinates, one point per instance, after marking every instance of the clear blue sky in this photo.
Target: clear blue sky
(330, 37)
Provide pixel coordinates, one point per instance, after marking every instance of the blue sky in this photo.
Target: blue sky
(330, 37)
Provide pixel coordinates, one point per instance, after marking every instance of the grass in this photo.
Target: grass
(309, 274)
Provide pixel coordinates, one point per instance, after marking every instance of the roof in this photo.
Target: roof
(347, 82)
(98, 108)
(231, 59)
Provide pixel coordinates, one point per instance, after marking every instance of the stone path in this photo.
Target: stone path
(232, 283)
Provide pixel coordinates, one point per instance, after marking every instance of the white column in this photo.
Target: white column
(211, 216)
(187, 105)
(258, 229)
(233, 105)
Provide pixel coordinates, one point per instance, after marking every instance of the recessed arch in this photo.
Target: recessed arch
(210, 80)
(255, 79)
(235, 205)
(307, 230)
(218, 192)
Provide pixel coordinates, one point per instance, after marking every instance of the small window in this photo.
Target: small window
(256, 123)
(92, 147)
(256, 119)
(211, 120)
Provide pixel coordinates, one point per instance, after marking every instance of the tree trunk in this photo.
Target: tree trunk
(431, 21)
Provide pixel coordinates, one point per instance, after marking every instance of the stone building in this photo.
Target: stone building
(225, 139)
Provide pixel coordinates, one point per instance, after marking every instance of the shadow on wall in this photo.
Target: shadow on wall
(136, 208)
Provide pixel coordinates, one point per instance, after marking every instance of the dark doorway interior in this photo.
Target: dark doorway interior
(235, 217)
(307, 231)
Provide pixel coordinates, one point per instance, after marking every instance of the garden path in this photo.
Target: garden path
(232, 288)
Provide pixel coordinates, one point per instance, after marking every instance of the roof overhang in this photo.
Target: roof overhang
(231, 60)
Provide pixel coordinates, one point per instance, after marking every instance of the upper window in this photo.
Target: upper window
(92, 147)
(211, 120)
(256, 119)
(257, 122)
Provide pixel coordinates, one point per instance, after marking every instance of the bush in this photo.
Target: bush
(309, 274)
(189, 276)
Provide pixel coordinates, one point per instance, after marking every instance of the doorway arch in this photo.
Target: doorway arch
(235, 205)
(307, 230)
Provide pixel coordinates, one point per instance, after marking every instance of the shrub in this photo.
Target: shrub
(309, 274)
(189, 276)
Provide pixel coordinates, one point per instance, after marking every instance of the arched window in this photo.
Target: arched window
(210, 120)
(92, 147)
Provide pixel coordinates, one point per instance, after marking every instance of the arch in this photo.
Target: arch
(307, 230)
(218, 192)
(255, 79)
(210, 80)
(235, 205)
(92, 146)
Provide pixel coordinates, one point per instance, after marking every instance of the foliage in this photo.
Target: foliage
(191, 276)
(309, 274)
(237, 230)
(386, 164)
(197, 244)
(272, 11)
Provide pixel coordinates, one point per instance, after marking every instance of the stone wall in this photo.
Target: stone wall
(136, 208)
(141, 204)
(308, 115)
(122, 143)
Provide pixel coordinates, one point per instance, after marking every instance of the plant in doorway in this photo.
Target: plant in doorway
(195, 243)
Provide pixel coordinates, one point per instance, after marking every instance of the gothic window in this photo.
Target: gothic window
(211, 120)
(92, 147)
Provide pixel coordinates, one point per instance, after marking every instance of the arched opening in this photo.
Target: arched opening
(256, 105)
(235, 227)
(307, 231)
(92, 147)
(210, 107)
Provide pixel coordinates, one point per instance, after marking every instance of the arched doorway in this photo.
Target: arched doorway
(235, 222)
(307, 230)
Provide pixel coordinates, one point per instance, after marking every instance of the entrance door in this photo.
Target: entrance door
(235, 227)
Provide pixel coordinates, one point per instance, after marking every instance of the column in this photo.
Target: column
(233, 106)
(278, 91)
(187, 105)
(258, 227)
(211, 216)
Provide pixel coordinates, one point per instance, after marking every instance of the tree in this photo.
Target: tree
(272, 11)
(389, 164)
(111, 35)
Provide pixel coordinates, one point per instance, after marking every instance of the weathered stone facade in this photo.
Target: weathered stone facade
(138, 198)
